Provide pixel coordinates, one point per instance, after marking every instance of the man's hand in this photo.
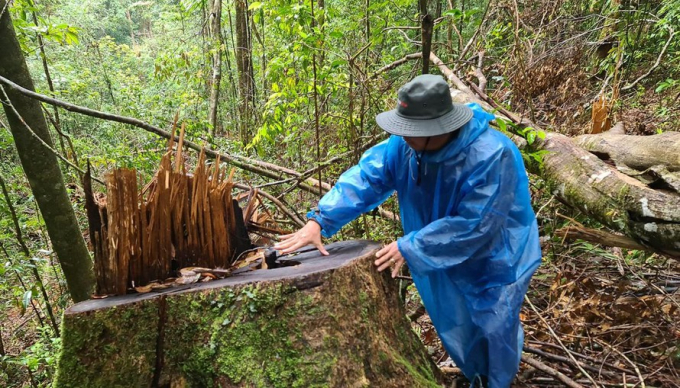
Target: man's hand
(309, 234)
(388, 256)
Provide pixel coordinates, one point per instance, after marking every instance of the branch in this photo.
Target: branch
(552, 372)
(276, 202)
(656, 64)
(469, 43)
(395, 64)
(252, 165)
(552, 332)
(567, 361)
(574, 232)
(478, 71)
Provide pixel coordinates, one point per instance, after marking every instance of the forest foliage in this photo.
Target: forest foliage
(315, 77)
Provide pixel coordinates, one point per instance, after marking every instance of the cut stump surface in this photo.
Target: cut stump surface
(328, 322)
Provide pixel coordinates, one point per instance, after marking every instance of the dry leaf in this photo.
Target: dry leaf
(143, 289)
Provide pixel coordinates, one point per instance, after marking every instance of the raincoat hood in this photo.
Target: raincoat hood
(470, 237)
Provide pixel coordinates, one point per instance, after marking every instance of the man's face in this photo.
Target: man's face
(419, 143)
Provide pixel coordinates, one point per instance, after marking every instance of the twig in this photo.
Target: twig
(474, 36)
(583, 356)
(276, 202)
(552, 372)
(567, 361)
(396, 63)
(656, 64)
(642, 380)
(552, 332)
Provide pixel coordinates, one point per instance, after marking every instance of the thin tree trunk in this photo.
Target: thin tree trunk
(426, 34)
(216, 36)
(42, 168)
(245, 70)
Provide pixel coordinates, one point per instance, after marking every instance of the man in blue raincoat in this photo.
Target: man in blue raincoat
(471, 239)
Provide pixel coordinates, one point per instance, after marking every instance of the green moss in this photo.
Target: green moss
(248, 341)
(422, 376)
(118, 343)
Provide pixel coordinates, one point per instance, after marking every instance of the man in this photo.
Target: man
(471, 239)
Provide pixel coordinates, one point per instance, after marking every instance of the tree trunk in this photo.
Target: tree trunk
(427, 25)
(653, 160)
(583, 181)
(245, 69)
(329, 321)
(41, 166)
(217, 43)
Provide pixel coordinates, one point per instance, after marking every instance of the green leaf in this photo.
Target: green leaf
(255, 5)
(26, 300)
(531, 137)
(501, 124)
(453, 12)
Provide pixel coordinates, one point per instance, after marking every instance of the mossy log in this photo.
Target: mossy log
(328, 322)
(582, 180)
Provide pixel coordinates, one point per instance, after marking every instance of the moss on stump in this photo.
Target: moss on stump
(328, 322)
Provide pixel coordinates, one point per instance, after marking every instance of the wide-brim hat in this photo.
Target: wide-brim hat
(424, 108)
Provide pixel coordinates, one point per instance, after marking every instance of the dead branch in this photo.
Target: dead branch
(575, 232)
(637, 370)
(291, 214)
(656, 64)
(567, 361)
(478, 71)
(396, 63)
(552, 372)
(557, 338)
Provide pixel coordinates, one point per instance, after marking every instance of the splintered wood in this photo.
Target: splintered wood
(178, 220)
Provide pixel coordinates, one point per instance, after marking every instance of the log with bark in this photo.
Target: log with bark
(329, 321)
(582, 180)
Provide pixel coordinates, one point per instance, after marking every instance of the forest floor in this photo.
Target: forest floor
(616, 312)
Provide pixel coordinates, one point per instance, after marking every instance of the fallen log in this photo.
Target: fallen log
(583, 181)
(329, 321)
(654, 160)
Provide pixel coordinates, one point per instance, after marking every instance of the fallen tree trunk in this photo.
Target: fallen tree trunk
(329, 321)
(653, 160)
(583, 181)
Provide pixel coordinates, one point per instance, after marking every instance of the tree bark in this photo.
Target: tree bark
(330, 321)
(245, 69)
(427, 25)
(585, 182)
(41, 167)
(217, 43)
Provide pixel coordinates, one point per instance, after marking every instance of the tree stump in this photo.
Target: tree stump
(327, 322)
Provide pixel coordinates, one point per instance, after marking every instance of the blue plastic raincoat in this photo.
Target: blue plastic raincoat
(471, 239)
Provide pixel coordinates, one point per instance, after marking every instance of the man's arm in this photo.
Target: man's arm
(360, 189)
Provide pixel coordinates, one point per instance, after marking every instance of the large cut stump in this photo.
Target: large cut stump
(329, 321)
